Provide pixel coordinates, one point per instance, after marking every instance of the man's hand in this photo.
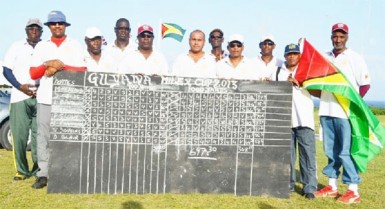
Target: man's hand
(50, 71)
(28, 89)
(292, 80)
(57, 64)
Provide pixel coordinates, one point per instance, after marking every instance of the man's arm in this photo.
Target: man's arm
(49, 68)
(8, 74)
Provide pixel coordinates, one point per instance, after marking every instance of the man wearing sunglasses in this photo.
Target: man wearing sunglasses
(121, 45)
(216, 41)
(144, 60)
(236, 65)
(23, 98)
(266, 62)
(59, 52)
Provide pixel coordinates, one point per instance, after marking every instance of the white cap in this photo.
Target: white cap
(34, 21)
(236, 37)
(267, 37)
(93, 32)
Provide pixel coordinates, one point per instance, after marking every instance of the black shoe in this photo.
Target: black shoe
(40, 183)
(309, 196)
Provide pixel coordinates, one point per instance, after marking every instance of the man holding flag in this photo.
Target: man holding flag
(334, 118)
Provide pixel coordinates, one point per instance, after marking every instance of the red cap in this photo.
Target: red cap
(340, 26)
(145, 28)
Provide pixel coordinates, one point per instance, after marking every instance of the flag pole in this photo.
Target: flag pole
(159, 34)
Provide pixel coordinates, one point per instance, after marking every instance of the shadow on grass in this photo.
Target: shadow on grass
(265, 206)
(131, 205)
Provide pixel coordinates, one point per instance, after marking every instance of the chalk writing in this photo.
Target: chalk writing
(158, 134)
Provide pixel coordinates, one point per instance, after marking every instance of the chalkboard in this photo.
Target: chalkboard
(113, 133)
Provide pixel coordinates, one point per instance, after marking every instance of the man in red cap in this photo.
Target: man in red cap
(144, 59)
(334, 121)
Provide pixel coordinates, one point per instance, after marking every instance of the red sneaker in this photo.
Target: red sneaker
(349, 198)
(326, 192)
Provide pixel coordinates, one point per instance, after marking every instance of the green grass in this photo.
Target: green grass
(20, 194)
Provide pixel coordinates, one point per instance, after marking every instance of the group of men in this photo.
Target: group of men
(30, 64)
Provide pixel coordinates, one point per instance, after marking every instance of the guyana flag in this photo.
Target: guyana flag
(171, 30)
(315, 72)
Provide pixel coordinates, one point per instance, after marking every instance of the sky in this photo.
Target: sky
(287, 21)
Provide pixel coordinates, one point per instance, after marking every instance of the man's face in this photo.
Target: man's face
(94, 45)
(292, 59)
(145, 40)
(197, 42)
(34, 33)
(216, 39)
(235, 49)
(122, 30)
(58, 29)
(339, 40)
(267, 47)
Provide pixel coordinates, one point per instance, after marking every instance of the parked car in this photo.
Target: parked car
(5, 131)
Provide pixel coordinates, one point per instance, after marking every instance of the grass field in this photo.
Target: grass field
(20, 194)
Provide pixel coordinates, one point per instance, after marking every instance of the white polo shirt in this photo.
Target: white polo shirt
(245, 70)
(105, 64)
(185, 66)
(18, 59)
(70, 52)
(268, 70)
(134, 62)
(354, 67)
(117, 53)
(302, 109)
(224, 54)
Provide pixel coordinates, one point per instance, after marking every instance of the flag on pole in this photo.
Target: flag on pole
(172, 30)
(315, 72)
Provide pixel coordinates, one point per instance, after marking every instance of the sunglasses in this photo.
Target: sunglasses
(146, 35)
(216, 37)
(232, 45)
(123, 28)
(56, 23)
(270, 43)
